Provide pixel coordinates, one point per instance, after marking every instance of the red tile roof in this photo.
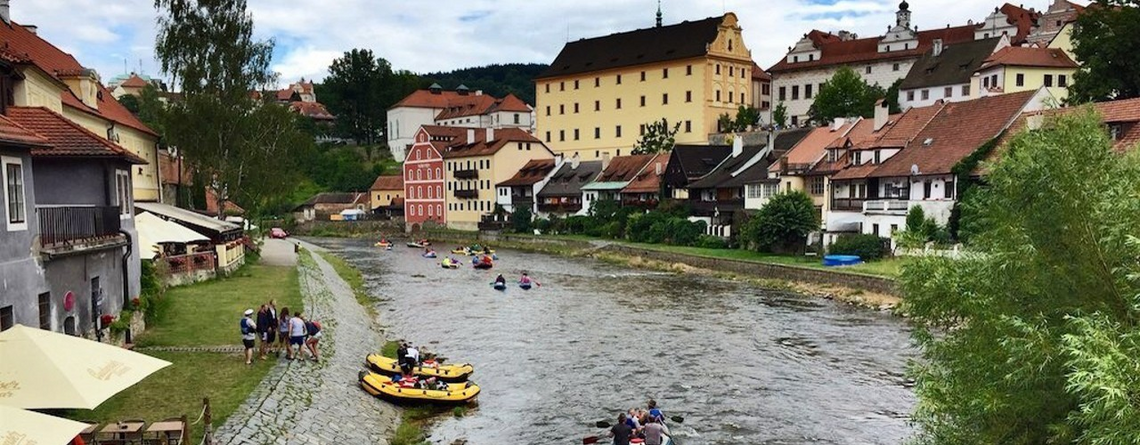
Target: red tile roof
(393, 182)
(623, 168)
(212, 205)
(1125, 112)
(845, 52)
(1029, 56)
(455, 105)
(67, 138)
(813, 146)
(958, 130)
(759, 73)
(511, 103)
(460, 147)
(133, 82)
(463, 106)
(12, 133)
(897, 133)
(168, 169)
(648, 180)
(313, 110)
(530, 173)
(285, 95)
(23, 44)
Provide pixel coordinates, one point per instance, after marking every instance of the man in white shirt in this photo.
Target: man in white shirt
(296, 335)
(413, 355)
(248, 335)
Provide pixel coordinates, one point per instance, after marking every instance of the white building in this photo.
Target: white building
(459, 108)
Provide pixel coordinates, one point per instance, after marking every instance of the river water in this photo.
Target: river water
(741, 364)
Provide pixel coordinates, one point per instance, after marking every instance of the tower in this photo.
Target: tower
(658, 13)
(902, 17)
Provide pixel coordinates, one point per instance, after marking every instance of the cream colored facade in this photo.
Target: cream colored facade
(464, 213)
(600, 113)
(381, 198)
(1015, 79)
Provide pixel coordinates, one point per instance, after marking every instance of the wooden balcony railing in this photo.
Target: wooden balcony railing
(467, 174)
(69, 225)
(467, 194)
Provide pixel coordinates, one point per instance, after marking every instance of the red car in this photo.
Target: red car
(277, 232)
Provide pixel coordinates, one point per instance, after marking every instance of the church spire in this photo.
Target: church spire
(658, 13)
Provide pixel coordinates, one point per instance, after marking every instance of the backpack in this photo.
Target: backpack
(313, 327)
(245, 330)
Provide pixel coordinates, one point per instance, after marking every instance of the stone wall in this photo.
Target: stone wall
(366, 228)
(767, 271)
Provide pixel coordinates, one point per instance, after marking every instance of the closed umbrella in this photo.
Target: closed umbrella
(44, 369)
(20, 426)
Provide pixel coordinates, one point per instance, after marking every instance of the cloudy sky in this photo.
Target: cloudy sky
(434, 35)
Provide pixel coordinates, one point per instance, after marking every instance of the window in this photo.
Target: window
(14, 200)
(948, 92)
(1062, 80)
(431, 211)
(619, 79)
(875, 229)
(718, 95)
(815, 185)
(516, 118)
(895, 67)
(718, 69)
(548, 88)
(925, 94)
(741, 97)
(561, 109)
(811, 57)
(1048, 80)
(807, 91)
(985, 82)
(617, 131)
(597, 132)
(729, 97)
(548, 136)
(643, 101)
(665, 73)
(766, 89)
(617, 103)
(123, 189)
(597, 82)
(45, 311)
(665, 99)
(795, 92)
(7, 319)
(575, 84)
(438, 191)
(561, 135)
(688, 126)
(575, 107)
(910, 95)
(965, 91)
(993, 81)
(597, 105)
(868, 70)
(1020, 80)
(561, 86)
(795, 120)
(688, 70)
(641, 130)
(731, 71)
(575, 134)
(643, 76)
(948, 189)
(688, 96)
(439, 210)
(783, 94)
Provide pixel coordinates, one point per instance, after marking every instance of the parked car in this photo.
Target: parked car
(277, 232)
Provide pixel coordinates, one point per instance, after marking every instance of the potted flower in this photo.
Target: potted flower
(106, 319)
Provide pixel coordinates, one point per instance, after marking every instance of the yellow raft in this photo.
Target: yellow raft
(445, 373)
(383, 387)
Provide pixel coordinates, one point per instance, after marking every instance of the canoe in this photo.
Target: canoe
(499, 286)
(415, 245)
(447, 373)
(430, 255)
(382, 386)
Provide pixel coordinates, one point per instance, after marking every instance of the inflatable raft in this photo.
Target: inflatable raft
(382, 386)
(430, 255)
(446, 373)
(415, 245)
(447, 263)
(525, 286)
(383, 244)
(499, 286)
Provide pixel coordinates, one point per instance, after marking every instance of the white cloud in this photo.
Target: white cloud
(425, 36)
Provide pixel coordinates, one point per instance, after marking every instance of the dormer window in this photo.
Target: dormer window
(795, 59)
(811, 57)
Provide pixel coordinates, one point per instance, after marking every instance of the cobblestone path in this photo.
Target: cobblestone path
(304, 402)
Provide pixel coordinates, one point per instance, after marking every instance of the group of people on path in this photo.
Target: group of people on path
(274, 332)
(647, 424)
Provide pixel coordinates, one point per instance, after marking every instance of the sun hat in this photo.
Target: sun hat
(249, 311)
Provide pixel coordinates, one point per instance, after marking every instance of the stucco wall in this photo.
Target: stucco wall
(21, 277)
(882, 73)
(74, 274)
(38, 91)
(403, 123)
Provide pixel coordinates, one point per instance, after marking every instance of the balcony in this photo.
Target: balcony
(938, 209)
(71, 229)
(847, 204)
(467, 194)
(709, 208)
(467, 174)
(560, 207)
(794, 168)
(887, 206)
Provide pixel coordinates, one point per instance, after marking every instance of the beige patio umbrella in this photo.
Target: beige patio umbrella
(29, 427)
(44, 369)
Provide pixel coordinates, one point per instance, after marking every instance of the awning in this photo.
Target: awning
(154, 231)
(201, 223)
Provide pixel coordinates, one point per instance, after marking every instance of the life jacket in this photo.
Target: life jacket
(245, 329)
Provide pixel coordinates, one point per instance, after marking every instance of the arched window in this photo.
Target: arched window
(438, 191)
(439, 210)
(430, 213)
(417, 154)
(437, 173)
(430, 193)
(421, 210)
(409, 174)
(419, 174)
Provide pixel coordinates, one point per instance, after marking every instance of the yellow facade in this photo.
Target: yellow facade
(381, 198)
(38, 90)
(1064, 40)
(464, 213)
(600, 113)
(1031, 79)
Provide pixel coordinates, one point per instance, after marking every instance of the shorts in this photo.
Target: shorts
(297, 340)
(269, 336)
(283, 336)
(247, 343)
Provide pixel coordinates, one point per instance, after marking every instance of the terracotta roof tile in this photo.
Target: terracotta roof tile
(844, 52)
(759, 73)
(813, 146)
(168, 169)
(313, 110)
(1030, 56)
(67, 138)
(134, 82)
(393, 182)
(530, 174)
(648, 180)
(12, 133)
(460, 147)
(511, 103)
(898, 131)
(623, 168)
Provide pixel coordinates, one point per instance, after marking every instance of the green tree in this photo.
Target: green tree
(780, 115)
(521, 219)
(746, 116)
(844, 95)
(130, 102)
(1105, 43)
(892, 97)
(354, 92)
(658, 138)
(244, 151)
(783, 224)
(152, 110)
(1035, 340)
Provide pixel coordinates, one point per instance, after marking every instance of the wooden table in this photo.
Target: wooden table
(89, 433)
(121, 431)
(169, 431)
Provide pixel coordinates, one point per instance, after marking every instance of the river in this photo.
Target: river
(741, 364)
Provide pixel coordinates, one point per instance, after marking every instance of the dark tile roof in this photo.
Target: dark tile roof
(956, 64)
(648, 180)
(530, 173)
(786, 139)
(699, 160)
(569, 181)
(66, 138)
(723, 172)
(650, 45)
(754, 173)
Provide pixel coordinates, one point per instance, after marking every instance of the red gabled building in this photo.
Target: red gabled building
(423, 176)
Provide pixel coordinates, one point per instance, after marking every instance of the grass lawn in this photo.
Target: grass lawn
(890, 267)
(207, 314)
(351, 276)
(202, 314)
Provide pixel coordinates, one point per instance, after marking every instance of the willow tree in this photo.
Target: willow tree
(244, 148)
(1035, 338)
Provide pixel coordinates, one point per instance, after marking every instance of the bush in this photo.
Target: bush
(711, 242)
(866, 246)
(783, 224)
(520, 220)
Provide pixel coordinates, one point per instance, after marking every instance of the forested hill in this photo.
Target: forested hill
(496, 80)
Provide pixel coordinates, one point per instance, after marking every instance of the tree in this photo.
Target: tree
(658, 138)
(780, 115)
(130, 102)
(746, 116)
(1110, 61)
(521, 219)
(152, 111)
(844, 95)
(783, 224)
(241, 149)
(1036, 339)
(892, 97)
(354, 92)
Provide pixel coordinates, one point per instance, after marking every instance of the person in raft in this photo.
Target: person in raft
(525, 280)
(621, 432)
(499, 280)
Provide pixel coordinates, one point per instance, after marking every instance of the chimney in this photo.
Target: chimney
(882, 113)
(490, 134)
(771, 140)
(838, 123)
(657, 168)
(605, 160)
(574, 162)
(937, 47)
(737, 145)
(470, 135)
(32, 28)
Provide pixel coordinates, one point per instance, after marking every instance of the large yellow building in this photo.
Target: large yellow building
(475, 164)
(599, 93)
(1015, 69)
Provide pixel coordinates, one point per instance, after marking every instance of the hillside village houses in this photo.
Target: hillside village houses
(460, 108)
(475, 163)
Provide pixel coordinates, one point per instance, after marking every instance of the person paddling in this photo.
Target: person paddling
(500, 281)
